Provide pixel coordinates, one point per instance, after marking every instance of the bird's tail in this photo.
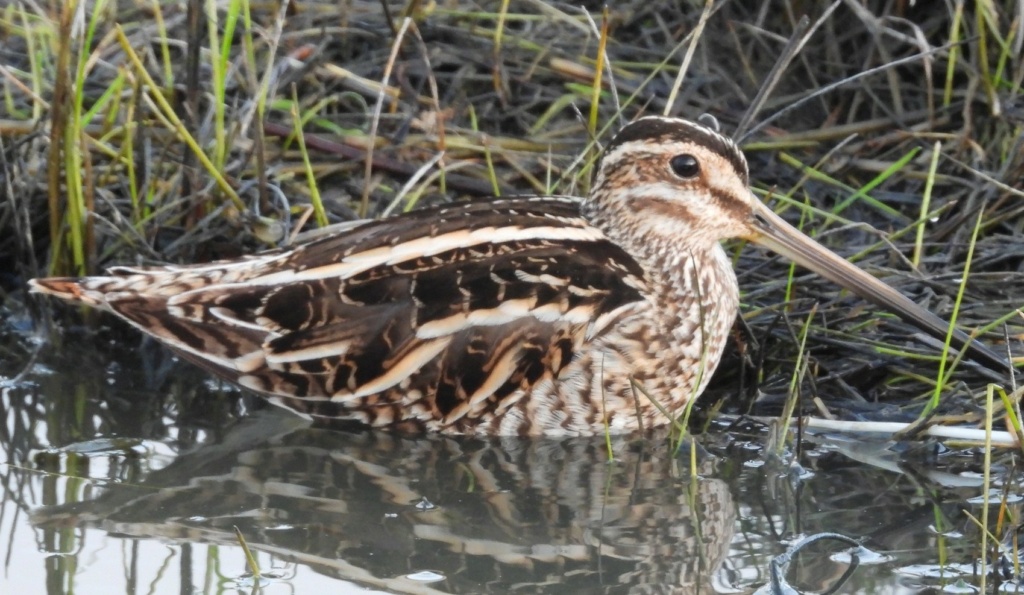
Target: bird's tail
(86, 290)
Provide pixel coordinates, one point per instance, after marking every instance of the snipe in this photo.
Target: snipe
(530, 315)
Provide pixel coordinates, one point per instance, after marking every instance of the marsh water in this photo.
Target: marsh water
(127, 471)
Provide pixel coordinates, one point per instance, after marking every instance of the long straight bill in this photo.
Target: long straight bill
(772, 232)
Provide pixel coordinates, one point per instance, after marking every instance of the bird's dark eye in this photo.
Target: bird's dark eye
(685, 166)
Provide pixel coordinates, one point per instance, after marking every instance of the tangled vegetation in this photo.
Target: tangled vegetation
(189, 131)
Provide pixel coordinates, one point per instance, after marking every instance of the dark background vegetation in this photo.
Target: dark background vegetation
(508, 97)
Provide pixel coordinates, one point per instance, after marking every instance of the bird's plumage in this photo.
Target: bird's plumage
(534, 315)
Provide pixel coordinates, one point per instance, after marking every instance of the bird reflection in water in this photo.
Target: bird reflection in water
(487, 514)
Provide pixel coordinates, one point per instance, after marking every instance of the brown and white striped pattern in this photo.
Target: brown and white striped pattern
(509, 316)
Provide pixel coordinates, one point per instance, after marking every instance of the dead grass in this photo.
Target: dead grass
(148, 135)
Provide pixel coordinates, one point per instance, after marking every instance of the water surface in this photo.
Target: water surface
(127, 471)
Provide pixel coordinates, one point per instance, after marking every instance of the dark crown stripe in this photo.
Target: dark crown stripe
(657, 130)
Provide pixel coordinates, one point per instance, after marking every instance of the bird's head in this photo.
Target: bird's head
(672, 178)
(682, 186)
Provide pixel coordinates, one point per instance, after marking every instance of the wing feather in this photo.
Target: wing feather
(446, 312)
